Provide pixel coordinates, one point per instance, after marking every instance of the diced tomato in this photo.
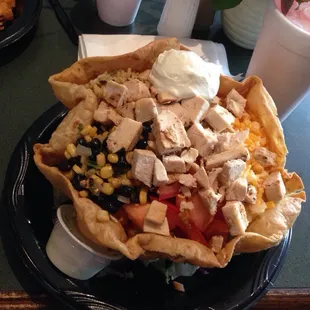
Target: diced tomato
(168, 191)
(219, 213)
(200, 216)
(122, 217)
(191, 230)
(178, 199)
(137, 213)
(217, 228)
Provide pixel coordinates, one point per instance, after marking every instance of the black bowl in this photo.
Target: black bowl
(26, 16)
(128, 285)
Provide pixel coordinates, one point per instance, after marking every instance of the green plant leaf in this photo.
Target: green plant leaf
(224, 4)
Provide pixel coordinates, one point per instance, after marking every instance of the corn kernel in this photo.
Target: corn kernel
(86, 130)
(107, 189)
(129, 175)
(83, 194)
(143, 196)
(98, 181)
(129, 156)
(101, 161)
(115, 182)
(103, 136)
(237, 122)
(113, 158)
(93, 132)
(270, 204)
(78, 170)
(69, 175)
(67, 155)
(71, 149)
(87, 138)
(126, 182)
(106, 172)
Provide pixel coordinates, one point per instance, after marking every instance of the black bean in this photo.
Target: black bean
(95, 144)
(76, 182)
(142, 144)
(134, 195)
(109, 203)
(100, 127)
(75, 161)
(94, 154)
(146, 129)
(64, 165)
(81, 141)
(124, 191)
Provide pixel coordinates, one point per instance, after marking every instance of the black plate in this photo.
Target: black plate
(29, 199)
(26, 17)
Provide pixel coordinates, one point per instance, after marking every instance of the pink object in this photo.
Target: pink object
(118, 13)
(281, 59)
(300, 16)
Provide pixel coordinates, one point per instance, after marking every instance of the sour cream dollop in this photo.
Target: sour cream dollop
(184, 74)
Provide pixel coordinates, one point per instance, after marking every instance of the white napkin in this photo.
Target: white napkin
(111, 45)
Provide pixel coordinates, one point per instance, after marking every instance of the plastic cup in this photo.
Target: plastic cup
(71, 252)
(281, 59)
(118, 13)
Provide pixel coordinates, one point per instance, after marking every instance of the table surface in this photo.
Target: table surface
(25, 95)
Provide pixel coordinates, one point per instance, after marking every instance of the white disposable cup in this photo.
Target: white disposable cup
(118, 13)
(71, 252)
(281, 59)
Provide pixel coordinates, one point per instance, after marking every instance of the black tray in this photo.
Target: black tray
(29, 200)
(22, 23)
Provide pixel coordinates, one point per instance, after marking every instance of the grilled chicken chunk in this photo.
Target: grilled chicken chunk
(209, 199)
(143, 162)
(136, 90)
(213, 178)
(218, 160)
(174, 163)
(232, 170)
(202, 139)
(202, 178)
(237, 190)
(235, 217)
(106, 115)
(188, 180)
(235, 103)
(274, 187)
(228, 140)
(190, 155)
(196, 108)
(127, 110)
(160, 176)
(145, 110)
(169, 133)
(216, 243)
(251, 195)
(265, 157)
(115, 94)
(156, 213)
(126, 135)
(178, 110)
(165, 97)
(219, 118)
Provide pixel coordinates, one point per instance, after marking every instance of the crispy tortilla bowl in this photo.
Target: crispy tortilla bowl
(265, 230)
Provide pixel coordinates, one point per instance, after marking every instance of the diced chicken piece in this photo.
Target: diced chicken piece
(169, 133)
(217, 160)
(216, 243)
(186, 191)
(126, 135)
(188, 180)
(232, 170)
(215, 100)
(143, 76)
(235, 103)
(237, 190)
(219, 118)
(228, 140)
(213, 177)
(114, 117)
(162, 229)
(173, 177)
(146, 110)
(156, 213)
(235, 217)
(209, 199)
(178, 110)
(192, 168)
(151, 145)
(222, 192)
(127, 110)
(174, 163)
(143, 162)
(136, 90)
(202, 178)
(265, 157)
(274, 187)
(186, 205)
(165, 97)
(160, 176)
(190, 155)
(196, 107)
(115, 94)
(154, 91)
(251, 195)
(106, 115)
(202, 139)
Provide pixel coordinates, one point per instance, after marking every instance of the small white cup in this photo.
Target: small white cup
(118, 13)
(71, 252)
